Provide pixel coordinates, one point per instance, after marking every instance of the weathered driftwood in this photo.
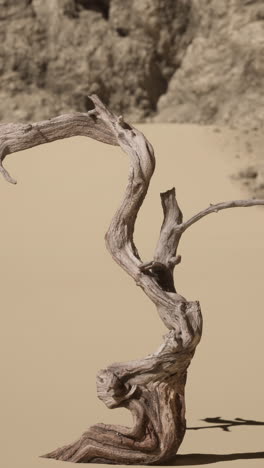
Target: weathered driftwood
(151, 388)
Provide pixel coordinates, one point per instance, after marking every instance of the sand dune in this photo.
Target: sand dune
(57, 331)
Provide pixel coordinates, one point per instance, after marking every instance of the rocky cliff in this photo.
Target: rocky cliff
(164, 60)
(55, 52)
(220, 78)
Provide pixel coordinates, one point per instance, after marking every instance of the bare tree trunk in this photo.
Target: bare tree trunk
(151, 388)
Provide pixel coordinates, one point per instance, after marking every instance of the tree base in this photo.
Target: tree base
(159, 413)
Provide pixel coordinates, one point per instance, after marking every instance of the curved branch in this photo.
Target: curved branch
(18, 137)
(151, 388)
(218, 207)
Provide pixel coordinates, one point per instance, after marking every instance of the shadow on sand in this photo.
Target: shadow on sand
(226, 424)
(192, 459)
(207, 458)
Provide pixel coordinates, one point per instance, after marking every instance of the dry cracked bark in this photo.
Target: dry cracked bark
(151, 388)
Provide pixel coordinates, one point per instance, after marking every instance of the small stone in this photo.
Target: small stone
(248, 173)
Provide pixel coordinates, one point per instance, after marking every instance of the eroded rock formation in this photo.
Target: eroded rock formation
(220, 79)
(56, 52)
(172, 60)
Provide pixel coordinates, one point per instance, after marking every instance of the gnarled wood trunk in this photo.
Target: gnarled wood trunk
(151, 388)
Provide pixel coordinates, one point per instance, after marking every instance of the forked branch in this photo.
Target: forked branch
(218, 207)
(153, 387)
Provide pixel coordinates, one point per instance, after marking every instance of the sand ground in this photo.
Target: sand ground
(69, 310)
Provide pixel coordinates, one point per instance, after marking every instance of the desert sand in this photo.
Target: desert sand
(68, 310)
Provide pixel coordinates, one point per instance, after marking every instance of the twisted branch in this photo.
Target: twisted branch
(151, 388)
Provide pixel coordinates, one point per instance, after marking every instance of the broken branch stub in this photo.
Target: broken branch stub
(151, 388)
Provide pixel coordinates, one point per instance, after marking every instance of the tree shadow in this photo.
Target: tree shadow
(207, 458)
(226, 424)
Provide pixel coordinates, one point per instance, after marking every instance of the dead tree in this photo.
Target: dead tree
(151, 388)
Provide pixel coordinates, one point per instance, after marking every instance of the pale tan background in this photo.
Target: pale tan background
(67, 309)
